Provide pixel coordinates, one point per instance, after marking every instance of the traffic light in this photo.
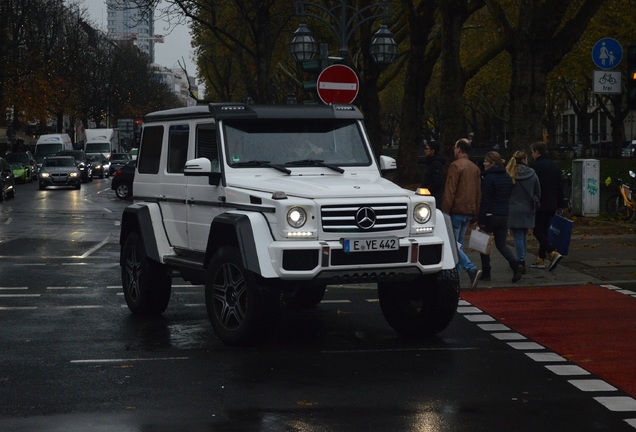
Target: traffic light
(631, 77)
(314, 68)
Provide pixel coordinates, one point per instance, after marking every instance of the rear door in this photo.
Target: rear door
(159, 177)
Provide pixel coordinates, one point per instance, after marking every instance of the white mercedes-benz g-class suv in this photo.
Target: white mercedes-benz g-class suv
(266, 206)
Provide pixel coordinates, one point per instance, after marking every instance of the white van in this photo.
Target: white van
(104, 141)
(50, 144)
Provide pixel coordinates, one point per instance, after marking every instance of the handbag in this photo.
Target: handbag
(481, 241)
(560, 233)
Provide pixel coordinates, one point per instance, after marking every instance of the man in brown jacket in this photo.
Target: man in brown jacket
(462, 194)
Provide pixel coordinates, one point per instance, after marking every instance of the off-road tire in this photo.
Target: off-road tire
(147, 284)
(423, 307)
(242, 310)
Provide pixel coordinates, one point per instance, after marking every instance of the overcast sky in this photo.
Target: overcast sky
(176, 44)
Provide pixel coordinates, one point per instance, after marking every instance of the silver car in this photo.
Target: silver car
(59, 171)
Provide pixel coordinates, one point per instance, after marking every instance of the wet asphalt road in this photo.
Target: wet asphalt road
(74, 359)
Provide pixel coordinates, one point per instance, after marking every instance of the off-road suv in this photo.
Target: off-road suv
(266, 206)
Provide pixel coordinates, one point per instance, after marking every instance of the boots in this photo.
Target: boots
(517, 270)
(485, 274)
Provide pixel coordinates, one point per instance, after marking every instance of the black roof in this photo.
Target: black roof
(239, 111)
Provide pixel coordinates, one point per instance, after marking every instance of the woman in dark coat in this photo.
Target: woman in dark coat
(496, 187)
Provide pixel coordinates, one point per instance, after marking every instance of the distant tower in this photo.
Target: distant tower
(127, 22)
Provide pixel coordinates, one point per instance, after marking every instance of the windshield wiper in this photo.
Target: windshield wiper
(316, 162)
(262, 163)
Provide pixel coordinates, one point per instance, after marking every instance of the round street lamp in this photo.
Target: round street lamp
(383, 47)
(343, 20)
(303, 46)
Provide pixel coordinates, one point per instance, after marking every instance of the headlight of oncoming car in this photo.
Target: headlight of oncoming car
(296, 217)
(73, 174)
(44, 174)
(422, 213)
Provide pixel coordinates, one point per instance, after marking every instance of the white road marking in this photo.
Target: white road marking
(94, 361)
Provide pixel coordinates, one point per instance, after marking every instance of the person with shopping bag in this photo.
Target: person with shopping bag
(550, 203)
(496, 188)
(524, 201)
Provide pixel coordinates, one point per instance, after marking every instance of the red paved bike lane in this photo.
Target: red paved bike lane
(591, 326)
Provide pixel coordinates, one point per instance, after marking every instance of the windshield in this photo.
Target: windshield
(97, 147)
(59, 162)
(294, 143)
(48, 149)
(95, 157)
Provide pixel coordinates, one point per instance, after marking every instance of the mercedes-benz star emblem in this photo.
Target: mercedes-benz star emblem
(365, 218)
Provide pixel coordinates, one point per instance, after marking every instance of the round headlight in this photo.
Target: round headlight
(296, 217)
(422, 213)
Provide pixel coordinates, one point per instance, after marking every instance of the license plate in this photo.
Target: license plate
(371, 245)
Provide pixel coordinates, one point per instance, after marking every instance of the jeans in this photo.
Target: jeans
(498, 226)
(521, 242)
(460, 224)
(540, 231)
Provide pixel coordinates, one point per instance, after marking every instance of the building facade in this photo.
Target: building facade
(126, 22)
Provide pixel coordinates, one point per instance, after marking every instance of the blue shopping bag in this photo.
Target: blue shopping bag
(560, 233)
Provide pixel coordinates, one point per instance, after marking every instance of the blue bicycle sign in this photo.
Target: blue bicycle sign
(607, 53)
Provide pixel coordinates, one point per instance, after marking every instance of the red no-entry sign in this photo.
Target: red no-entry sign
(337, 84)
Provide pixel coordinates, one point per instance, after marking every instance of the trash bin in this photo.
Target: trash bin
(586, 191)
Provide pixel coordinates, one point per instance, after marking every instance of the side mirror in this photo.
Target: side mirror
(202, 167)
(387, 163)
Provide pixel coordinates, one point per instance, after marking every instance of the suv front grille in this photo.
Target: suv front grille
(364, 217)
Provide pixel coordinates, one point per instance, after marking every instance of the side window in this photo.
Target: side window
(206, 145)
(150, 153)
(177, 148)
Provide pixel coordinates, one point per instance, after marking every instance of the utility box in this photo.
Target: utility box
(586, 187)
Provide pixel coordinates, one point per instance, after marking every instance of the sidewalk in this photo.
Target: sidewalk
(586, 231)
(501, 274)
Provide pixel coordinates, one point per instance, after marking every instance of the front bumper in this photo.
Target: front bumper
(327, 261)
(60, 180)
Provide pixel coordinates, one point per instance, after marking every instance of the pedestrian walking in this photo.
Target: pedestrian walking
(524, 200)
(551, 201)
(433, 178)
(496, 188)
(460, 200)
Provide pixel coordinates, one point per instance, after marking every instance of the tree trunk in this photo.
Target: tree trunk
(419, 69)
(547, 31)
(452, 84)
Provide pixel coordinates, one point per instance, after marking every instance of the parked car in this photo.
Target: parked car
(21, 172)
(629, 151)
(84, 165)
(59, 171)
(25, 158)
(122, 182)
(7, 180)
(98, 160)
(117, 161)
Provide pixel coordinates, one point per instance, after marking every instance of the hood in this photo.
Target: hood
(319, 186)
(524, 172)
(59, 170)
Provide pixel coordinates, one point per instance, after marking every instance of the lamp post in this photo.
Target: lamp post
(343, 21)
